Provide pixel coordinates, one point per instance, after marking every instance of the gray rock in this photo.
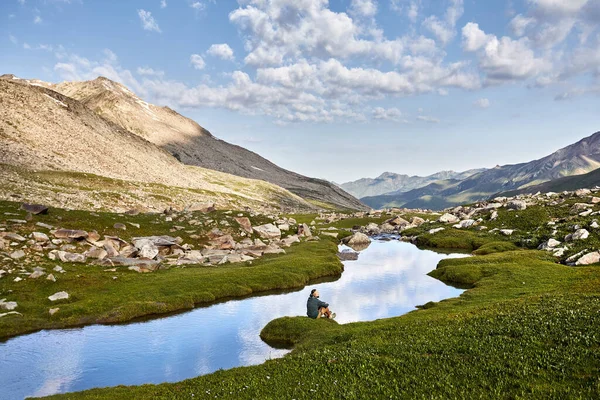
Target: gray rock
(331, 234)
(65, 256)
(580, 234)
(53, 311)
(34, 209)
(40, 237)
(17, 255)
(448, 218)
(273, 249)
(590, 258)
(36, 274)
(159, 240)
(507, 232)
(96, 252)
(146, 248)
(516, 205)
(51, 278)
(14, 237)
(8, 305)
(549, 245)
(267, 231)
(43, 225)
(435, 230)
(59, 296)
(120, 226)
(245, 224)
(70, 234)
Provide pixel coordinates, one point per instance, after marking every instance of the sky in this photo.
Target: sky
(339, 89)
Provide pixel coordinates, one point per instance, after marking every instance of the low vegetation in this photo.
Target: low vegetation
(527, 328)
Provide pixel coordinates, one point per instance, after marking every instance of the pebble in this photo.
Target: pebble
(53, 311)
(59, 296)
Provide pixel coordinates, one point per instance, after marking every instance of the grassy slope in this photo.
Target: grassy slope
(588, 180)
(527, 328)
(97, 297)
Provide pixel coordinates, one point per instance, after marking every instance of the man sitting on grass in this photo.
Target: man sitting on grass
(316, 308)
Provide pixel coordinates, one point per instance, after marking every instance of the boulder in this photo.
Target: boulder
(549, 245)
(65, 256)
(70, 234)
(36, 274)
(284, 227)
(17, 255)
(583, 192)
(589, 258)
(331, 234)
(507, 232)
(120, 226)
(51, 278)
(494, 215)
(14, 237)
(53, 311)
(358, 240)
(267, 231)
(224, 242)
(580, 234)
(146, 248)
(34, 209)
(40, 237)
(163, 240)
(96, 252)
(466, 223)
(516, 205)
(245, 224)
(287, 242)
(448, 218)
(579, 207)
(59, 296)
(397, 221)
(273, 249)
(594, 225)
(8, 305)
(416, 221)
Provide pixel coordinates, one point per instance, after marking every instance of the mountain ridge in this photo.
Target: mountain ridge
(190, 143)
(576, 159)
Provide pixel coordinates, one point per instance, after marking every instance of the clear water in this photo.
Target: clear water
(389, 279)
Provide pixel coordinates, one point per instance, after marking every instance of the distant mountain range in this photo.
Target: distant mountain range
(102, 127)
(572, 161)
(391, 183)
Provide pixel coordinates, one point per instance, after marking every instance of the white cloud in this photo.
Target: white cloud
(37, 19)
(222, 51)
(425, 118)
(445, 29)
(482, 103)
(410, 8)
(21, 2)
(520, 23)
(13, 39)
(503, 59)
(163, 3)
(197, 61)
(148, 22)
(196, 5)
(391, 114)
(363, 8)
(146, 71)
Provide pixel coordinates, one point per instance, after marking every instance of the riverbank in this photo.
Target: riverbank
(111, 294)
(526, 328)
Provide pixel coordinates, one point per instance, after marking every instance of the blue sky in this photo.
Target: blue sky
(338, 89)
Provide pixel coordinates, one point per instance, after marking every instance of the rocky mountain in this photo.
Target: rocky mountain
(391, 183)
(568, 183)
(193, 145)
(54, 148)
(576, 159)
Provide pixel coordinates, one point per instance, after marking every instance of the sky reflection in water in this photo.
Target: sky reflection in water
(389, 279)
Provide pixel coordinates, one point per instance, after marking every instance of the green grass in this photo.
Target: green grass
(495, 247)
(527, 328)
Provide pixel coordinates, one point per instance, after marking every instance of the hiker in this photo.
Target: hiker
(316, 308)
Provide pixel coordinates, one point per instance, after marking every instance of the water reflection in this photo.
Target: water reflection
(388, 279)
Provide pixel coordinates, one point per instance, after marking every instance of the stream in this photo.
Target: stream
(388, 279)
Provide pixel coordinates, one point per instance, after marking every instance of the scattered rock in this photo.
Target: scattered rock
(59, 296)
(267, 231)
(202, 207)
(34, 209)
(53, 311)
(146, 248)
(332, 234)
(347, 255)
(448, 218)
(397, 221)
(43, 225)
(17, 255)
(245, 224)
(595, 200)
(358, 241)
(70, 234)
(8, 305)
(40, 237)
(36, 274)
(58, 268)
(580, 234)
(516, 205)
(549, 245)
(120, 226)
(96, 252)
(10, 313)
(590, 258)
(507, 232)
(15, 237)
(51, 278)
